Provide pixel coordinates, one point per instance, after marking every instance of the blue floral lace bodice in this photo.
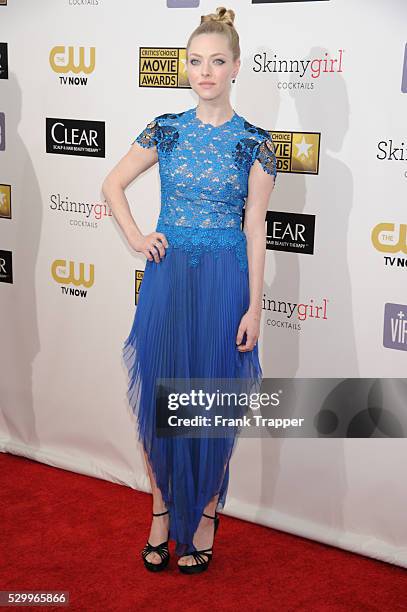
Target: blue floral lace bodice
(204, 173)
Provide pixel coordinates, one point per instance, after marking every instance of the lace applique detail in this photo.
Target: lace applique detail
(265, 153)
(249, 149)
(150, 136)
(154, 134)
(253, 129)
(244, 153)
(201, 240)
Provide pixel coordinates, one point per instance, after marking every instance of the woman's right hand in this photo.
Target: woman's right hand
(152, 245)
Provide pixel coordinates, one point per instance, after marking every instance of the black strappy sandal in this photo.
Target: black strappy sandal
(202, 557)
(161, 549)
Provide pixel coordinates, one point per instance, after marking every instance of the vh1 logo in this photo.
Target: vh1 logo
(395, 326)
(182, 3)
(2, 132)
(404, 75)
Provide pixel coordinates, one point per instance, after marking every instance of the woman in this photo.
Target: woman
(199, 307)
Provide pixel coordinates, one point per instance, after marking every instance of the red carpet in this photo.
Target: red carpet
(65, 531)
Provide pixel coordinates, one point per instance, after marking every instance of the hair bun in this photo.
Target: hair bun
(222, 15)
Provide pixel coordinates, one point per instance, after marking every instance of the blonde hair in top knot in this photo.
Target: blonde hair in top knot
(222, 14)
(221, 22)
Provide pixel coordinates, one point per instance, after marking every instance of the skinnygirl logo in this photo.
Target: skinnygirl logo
(291, 310)
(313, 67)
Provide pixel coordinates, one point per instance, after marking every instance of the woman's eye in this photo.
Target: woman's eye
(217, 60)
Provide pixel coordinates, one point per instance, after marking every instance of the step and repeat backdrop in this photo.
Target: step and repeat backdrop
(79, 79)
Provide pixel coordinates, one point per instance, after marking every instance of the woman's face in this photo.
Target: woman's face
(210, 61)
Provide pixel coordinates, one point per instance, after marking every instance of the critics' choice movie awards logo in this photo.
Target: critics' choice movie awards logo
(297, 151)
(75, 137)
(3, 61)
(162, 67)
(286, 315)
(291, 232)
(6, 267)
(5, 201)
(391, 238)
(138, 277)
(74, 278)
(75, 60)
(404, 73)
(395, 326)
(2, 132)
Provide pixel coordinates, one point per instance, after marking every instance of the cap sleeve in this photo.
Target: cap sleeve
(150, 136)
(265, 153)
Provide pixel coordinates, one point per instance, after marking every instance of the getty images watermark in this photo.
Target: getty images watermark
(282, 407)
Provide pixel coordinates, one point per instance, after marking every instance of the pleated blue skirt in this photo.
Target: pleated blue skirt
(185, 326)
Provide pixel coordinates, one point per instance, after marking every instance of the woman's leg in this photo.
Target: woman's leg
(159, 524)
(204, 534)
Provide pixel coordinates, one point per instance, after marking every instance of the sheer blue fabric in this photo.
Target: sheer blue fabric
(191, 303)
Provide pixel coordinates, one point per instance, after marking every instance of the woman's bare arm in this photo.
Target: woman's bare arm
(260, 187)
(135, 162)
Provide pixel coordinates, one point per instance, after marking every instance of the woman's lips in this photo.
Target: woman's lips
(207, 84)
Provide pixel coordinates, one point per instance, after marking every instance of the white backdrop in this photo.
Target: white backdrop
(63, 382)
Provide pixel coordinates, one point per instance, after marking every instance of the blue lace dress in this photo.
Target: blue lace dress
(191, 303)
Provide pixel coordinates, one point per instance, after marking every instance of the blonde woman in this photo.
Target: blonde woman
(199, 308)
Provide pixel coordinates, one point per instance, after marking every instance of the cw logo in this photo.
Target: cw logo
(384, 235)
(63, 60)
(64, 272)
